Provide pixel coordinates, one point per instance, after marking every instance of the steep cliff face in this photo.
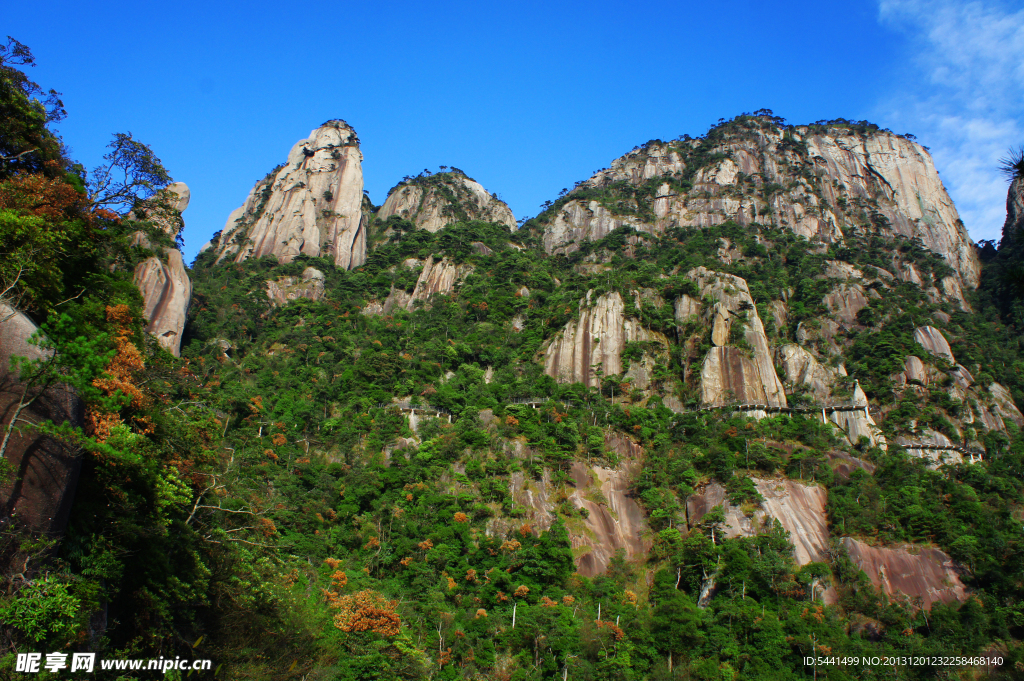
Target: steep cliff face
(739, 368)
(614, 521)
(983, 407)
(312, 205)
(799, 508)
(905, 575)
(435, 201)
(1014, 212)
(818, 181)
(596, 340)
(162, 279)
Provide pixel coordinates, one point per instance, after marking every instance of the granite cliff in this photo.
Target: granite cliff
(162, 278)
(821, 182)
(436, 200)
(312, 204)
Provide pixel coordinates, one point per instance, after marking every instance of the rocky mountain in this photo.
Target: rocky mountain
(311, 205)
(436, 200)
(728, 403)
(821, 182)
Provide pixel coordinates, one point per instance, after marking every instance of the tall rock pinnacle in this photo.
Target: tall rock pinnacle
(162, 279)
(312, 204)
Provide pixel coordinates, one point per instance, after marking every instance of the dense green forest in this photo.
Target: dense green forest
(263, 501)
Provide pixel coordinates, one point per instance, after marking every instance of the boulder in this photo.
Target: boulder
(915, 370)
(39, 496)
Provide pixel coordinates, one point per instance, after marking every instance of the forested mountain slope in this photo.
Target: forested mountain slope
(731, 402)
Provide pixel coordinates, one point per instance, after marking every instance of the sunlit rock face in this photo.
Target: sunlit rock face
(163, 279)
(614, 521)
(436, 278)
(732, 372)
(435, 201)
(595, 341)
(798, 507)
(807, 179)
(286, 289)
(311, 205)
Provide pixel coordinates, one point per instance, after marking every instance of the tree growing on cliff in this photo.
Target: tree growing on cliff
(131, 172)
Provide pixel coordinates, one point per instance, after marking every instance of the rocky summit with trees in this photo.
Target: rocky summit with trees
(732, 402)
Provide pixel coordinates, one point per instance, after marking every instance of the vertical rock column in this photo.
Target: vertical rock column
(162, 279)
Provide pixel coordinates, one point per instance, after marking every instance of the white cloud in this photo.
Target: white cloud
(963, 96)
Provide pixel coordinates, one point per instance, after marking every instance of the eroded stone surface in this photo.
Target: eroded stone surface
(799, 508)
(285, 289)
(162, 279)
(845, 301)
(731, 374)
(46, 470)
(803, 369)
(895, 172)
(906, 573)
(616, 523)
(595, 340)
(932, 340)
(1004, 405)
(311, 205)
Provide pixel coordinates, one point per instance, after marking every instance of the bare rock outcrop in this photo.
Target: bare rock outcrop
(803, 369)
(285, 289)
(932, 340)
(435, 201)
(1003, 404)
(162, 279)
(730, 373)
(436, 278)
(826, 171)
(858, 422)
(909, 572)
(312, 204)
(799, 508)
(845, 301)
(595, 340)
(932, 446)
(613, 519)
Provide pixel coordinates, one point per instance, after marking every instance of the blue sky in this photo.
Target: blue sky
(525, 97)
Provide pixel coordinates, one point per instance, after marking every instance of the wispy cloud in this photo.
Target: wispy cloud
(963, 96)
